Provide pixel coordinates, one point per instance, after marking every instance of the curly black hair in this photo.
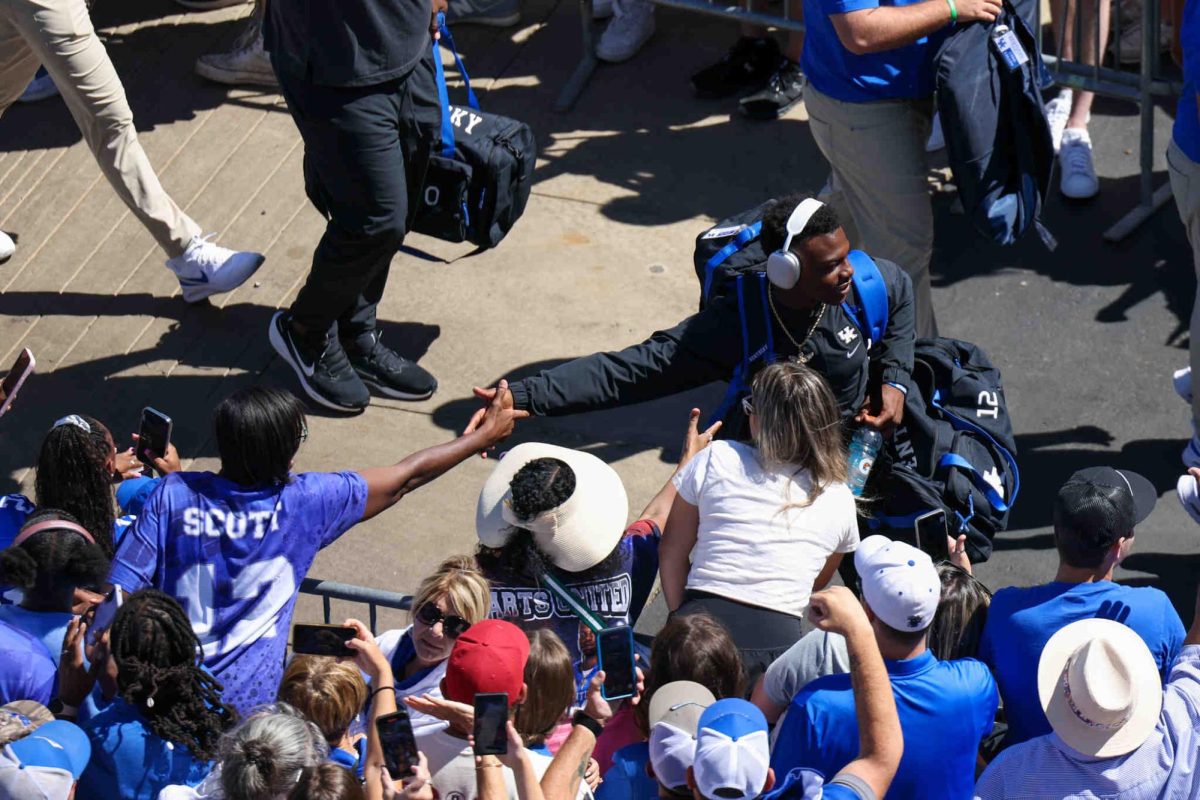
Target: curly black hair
(155, 649)
(539, 486)
(72, 475)
(52, 563)
(774, 224)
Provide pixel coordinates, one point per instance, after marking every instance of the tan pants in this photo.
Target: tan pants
(877, 153)
(1185, 185)
(59, 35)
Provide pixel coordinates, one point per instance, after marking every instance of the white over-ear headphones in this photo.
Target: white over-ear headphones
(783, 266)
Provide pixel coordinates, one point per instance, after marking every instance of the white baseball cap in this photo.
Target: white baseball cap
(899, 583)
(733, 753)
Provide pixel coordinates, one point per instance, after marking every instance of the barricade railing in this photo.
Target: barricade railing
(1141, 87)
(374, 599)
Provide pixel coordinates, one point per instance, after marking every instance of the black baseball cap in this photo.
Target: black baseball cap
(1103, 499)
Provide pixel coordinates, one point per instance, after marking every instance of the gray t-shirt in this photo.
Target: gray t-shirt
(816, 654)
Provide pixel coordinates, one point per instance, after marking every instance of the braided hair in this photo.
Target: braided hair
(73, 474)
(155, 650)
(50, 564)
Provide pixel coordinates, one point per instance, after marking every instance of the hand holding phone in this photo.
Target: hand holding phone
(399, 744)
(615, 648)
(932, 536)
(154, 435)
(22, 368)
(491, 720)
(103, 618)
(323, 640)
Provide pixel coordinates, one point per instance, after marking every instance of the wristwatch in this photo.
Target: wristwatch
(581, 718)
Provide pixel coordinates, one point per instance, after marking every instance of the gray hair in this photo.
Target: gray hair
(262, 757)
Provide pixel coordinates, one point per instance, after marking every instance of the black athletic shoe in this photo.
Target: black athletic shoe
(383, 370)
(324, 371)
(783, 90)
(747, 65)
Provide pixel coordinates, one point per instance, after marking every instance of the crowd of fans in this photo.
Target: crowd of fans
(765, 680)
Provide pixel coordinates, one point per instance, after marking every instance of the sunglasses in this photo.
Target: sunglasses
(747, 406)
(453, 626)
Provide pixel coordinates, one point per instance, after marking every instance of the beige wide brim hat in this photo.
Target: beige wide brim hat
(1135, 666)
(576, 535)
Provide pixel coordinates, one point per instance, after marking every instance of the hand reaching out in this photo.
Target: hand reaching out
(498, 417)
(837, 610)
(695, 440)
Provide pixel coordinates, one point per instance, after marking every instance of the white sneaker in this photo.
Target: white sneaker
(206, 268)
(1057, 112)
(631, 26)
(247, 64)
(1182, 379)
(40, 88)
(937, 138)
(7, 247)
(1189, 496)
(1079, 181)
(602, 9)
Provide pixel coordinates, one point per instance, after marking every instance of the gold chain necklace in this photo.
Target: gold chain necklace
(803, 359)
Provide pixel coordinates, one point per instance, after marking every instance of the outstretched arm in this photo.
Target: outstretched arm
(386, 485)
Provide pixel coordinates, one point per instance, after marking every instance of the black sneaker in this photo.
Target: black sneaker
(324, 371)
(747, 65)
(783, 90)
(386, 372)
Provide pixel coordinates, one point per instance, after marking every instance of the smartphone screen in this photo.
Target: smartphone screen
(491, 717)
(616, 659)
(22, 368)
(154, 435)
(932, 536)
(102, 620)
(322, 640)
(399, 744)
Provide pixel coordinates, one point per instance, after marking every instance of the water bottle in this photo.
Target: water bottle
(863, 449)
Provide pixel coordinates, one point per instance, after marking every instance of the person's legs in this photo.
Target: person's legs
(1078, 171)
(18, 62)
(61, 35)
(1185, 186)
(877, 154)
(246, 63)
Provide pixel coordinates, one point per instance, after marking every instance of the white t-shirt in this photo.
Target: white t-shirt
(748, 547)
(453, 768)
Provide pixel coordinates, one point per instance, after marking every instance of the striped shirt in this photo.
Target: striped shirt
(1164, 766)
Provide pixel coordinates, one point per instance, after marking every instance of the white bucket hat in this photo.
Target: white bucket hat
(1099, 687)
(576, 535)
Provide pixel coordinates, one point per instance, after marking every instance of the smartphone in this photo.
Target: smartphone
(322, 640)
(399, 744)
(932, 536)
(491, 719)
(154, 435)
(615, 646)
(22, 368)
(106, 612)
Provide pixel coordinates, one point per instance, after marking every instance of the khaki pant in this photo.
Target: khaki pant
(1185, 185)
(877, 153)
(59, 35)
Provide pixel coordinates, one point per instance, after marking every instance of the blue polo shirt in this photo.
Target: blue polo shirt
(26, 670)
(1021, 620)
(945, 708)
(1187, 117)
(903, 73)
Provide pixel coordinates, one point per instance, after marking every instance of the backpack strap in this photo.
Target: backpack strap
(744, 237)
(440, 78)
(871, 314)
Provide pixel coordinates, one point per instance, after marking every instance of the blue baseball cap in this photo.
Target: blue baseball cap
(733, 753)
(57, 745)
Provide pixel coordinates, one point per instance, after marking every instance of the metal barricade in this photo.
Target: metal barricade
(1141, 87)
(373, 598)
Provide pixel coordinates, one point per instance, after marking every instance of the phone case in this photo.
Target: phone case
(600, 663)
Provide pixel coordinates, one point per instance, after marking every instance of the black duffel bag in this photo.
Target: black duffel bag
(480, 174)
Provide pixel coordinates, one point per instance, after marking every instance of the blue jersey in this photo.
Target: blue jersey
(234, 558)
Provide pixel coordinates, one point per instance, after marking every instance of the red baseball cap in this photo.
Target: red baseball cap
(489, 657)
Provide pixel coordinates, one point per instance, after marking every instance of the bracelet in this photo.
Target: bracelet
(383, 689)
(582, 720)
(953, 12)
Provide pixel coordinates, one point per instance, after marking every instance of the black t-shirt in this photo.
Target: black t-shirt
(347, 42)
